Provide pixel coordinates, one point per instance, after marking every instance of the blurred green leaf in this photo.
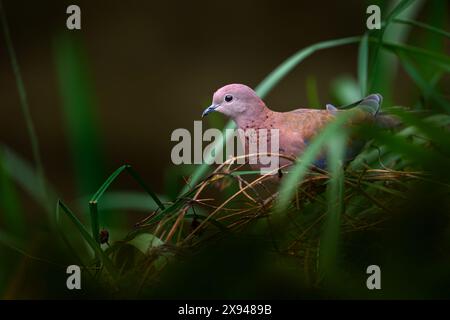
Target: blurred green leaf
(12, 213)
(125, 200)
(22, 173)
(24, 105)
(345, 90)
(301, 167)
(433, 36)
(175, 176)
(363, 56)
(10, 240)
(289, 64)
(439, 60)
(424, 26)
(438, 135)
(329, 241)
(401, 145)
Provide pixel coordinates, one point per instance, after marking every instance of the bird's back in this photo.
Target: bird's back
(298, 127)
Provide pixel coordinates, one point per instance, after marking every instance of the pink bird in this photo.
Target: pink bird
(296, 128)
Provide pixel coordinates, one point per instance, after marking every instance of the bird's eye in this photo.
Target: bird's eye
(228, 98)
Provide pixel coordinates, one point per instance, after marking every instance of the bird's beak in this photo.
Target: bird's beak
(210, 109)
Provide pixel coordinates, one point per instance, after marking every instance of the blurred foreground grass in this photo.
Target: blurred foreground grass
(223, 233)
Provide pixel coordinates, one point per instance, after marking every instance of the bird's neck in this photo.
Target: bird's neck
(254, 118)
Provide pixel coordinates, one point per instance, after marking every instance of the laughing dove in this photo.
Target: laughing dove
(297, 128)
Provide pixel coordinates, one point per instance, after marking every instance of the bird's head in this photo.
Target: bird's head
(236, 101)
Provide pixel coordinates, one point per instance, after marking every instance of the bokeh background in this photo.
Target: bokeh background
(113, 92)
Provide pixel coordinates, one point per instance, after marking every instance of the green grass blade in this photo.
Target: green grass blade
(204, 168)
(135, 176)
(311, 92)
(345, 90)
(400, 144)
(397, 144)
(427, 89)
(86, 236)
(125, 200)
(245, 172)
(439, 136)
(9, 262)
(10, 240)
(439, 60)
(424, 26)
(93, 209)
(216, 121)
(12, 213)
(80, 111)
(437, 17)
(402, 5)
(299, 170)
(383, 66)
(175, 176)
(141, 182)
(95, 224)
(24, 104)
(174, 207)
(97, 195)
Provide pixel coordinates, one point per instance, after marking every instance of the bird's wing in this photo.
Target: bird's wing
(299, 127)
(301, 110)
